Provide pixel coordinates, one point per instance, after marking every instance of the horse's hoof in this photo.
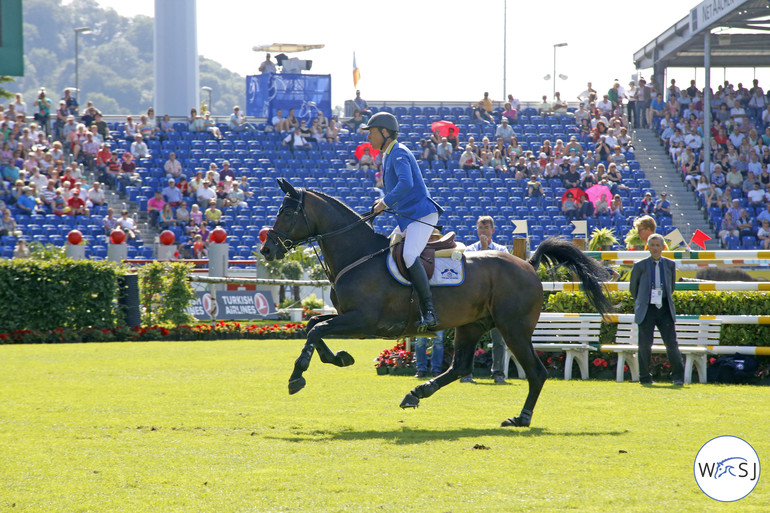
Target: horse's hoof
(343, 359)
(410, 401)
(514, 422)
(295, 385)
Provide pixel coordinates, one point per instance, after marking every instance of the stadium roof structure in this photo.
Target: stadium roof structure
(742, 39)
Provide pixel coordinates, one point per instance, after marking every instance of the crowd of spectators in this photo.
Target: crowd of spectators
(735, 188)
(565, 163)
(49, 157)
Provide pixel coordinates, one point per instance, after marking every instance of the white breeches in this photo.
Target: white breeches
(417, 236)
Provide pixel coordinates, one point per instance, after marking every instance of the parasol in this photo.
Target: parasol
(360, 150)
(443, 128)
(595, 193)
(577, 193)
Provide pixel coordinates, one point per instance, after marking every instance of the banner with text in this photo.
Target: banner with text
(233, 304)
(306, 94)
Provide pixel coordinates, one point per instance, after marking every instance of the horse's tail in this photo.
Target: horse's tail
(555, 251)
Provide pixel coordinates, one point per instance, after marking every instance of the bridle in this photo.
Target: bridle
(296, 206)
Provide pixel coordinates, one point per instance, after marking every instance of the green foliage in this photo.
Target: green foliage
(115, 59)
(3, 92)
(292, 270)
(45, 252)
(557, 273)
(601, 238)
(165, 293)
(632, 240)
(312, 302)
(686, 303)
(62, 293)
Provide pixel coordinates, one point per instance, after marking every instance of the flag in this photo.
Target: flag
(581, 228)
(356, 73)
(675, 238)
(521, 227)
(699, 238)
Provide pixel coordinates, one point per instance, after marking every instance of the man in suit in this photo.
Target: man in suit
(406, 194)
(652, 284)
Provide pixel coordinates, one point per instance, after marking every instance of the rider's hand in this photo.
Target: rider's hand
(379, 206)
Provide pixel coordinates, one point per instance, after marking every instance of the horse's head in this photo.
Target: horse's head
(291, 226)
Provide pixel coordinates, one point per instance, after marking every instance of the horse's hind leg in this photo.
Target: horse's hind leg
(465, 341)
(518, 338)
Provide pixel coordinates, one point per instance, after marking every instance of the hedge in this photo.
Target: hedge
(66, 294)
(686, 303)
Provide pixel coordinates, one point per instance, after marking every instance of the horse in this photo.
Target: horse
(499, 291)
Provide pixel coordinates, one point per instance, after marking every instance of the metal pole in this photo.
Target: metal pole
(707, 105)
(505, 46)
(553, 93)
(77, 86)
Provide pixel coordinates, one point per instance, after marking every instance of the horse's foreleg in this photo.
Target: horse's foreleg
(296, 381)
(340, 359)
(317, 327)
(462, 365)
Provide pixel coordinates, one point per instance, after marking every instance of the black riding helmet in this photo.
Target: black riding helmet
(384, 120)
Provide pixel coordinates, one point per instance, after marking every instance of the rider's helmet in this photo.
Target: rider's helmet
(382, 120)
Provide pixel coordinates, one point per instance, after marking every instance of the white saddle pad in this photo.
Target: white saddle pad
(448, 272)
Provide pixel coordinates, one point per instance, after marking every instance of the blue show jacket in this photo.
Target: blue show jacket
(405, 190)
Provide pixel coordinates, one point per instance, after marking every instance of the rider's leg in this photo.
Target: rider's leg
(417, 235)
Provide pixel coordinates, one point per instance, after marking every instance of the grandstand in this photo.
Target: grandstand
(260, 157)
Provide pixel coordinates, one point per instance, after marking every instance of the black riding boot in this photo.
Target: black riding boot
(419, 279)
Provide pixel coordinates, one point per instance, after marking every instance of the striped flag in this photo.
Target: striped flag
(356, 72)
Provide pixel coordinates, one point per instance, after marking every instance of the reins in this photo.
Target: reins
(283, 240)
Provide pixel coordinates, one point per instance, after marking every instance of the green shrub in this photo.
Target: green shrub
(686, 303)
(62, 293)
(165, 293)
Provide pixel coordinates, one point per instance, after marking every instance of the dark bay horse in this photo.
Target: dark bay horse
(500, 291)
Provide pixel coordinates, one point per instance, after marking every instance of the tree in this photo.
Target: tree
(4, 93)
(115, 59)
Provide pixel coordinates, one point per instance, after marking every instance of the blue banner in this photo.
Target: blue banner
(233, 304)
(306, 94)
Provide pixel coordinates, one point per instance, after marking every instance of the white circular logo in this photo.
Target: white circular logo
(727, 468)
(260, 301)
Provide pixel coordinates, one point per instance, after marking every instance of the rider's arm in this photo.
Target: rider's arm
(405, 182)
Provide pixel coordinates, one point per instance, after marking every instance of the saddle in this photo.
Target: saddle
(441, 248)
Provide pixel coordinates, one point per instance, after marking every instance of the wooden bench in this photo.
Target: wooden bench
(570, 333)
(693, 336)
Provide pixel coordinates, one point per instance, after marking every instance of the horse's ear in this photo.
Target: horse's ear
(288, 188)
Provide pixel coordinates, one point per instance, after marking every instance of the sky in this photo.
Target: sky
(432, 50)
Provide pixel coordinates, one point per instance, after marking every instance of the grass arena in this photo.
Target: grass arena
(208, 426)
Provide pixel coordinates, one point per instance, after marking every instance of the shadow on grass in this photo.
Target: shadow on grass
(406, 435)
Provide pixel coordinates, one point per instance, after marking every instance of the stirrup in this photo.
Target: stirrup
(429, 320)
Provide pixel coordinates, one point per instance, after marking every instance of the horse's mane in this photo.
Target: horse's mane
(343, 209)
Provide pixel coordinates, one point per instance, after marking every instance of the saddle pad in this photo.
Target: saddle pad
(448, 272)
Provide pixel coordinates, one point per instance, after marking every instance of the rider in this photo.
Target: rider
(406, 194)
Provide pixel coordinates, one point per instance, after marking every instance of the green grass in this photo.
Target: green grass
(209, 426)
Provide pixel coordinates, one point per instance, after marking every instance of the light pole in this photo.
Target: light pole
(505, 46)
(78, 31)
(207, 89)
(557, 45)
